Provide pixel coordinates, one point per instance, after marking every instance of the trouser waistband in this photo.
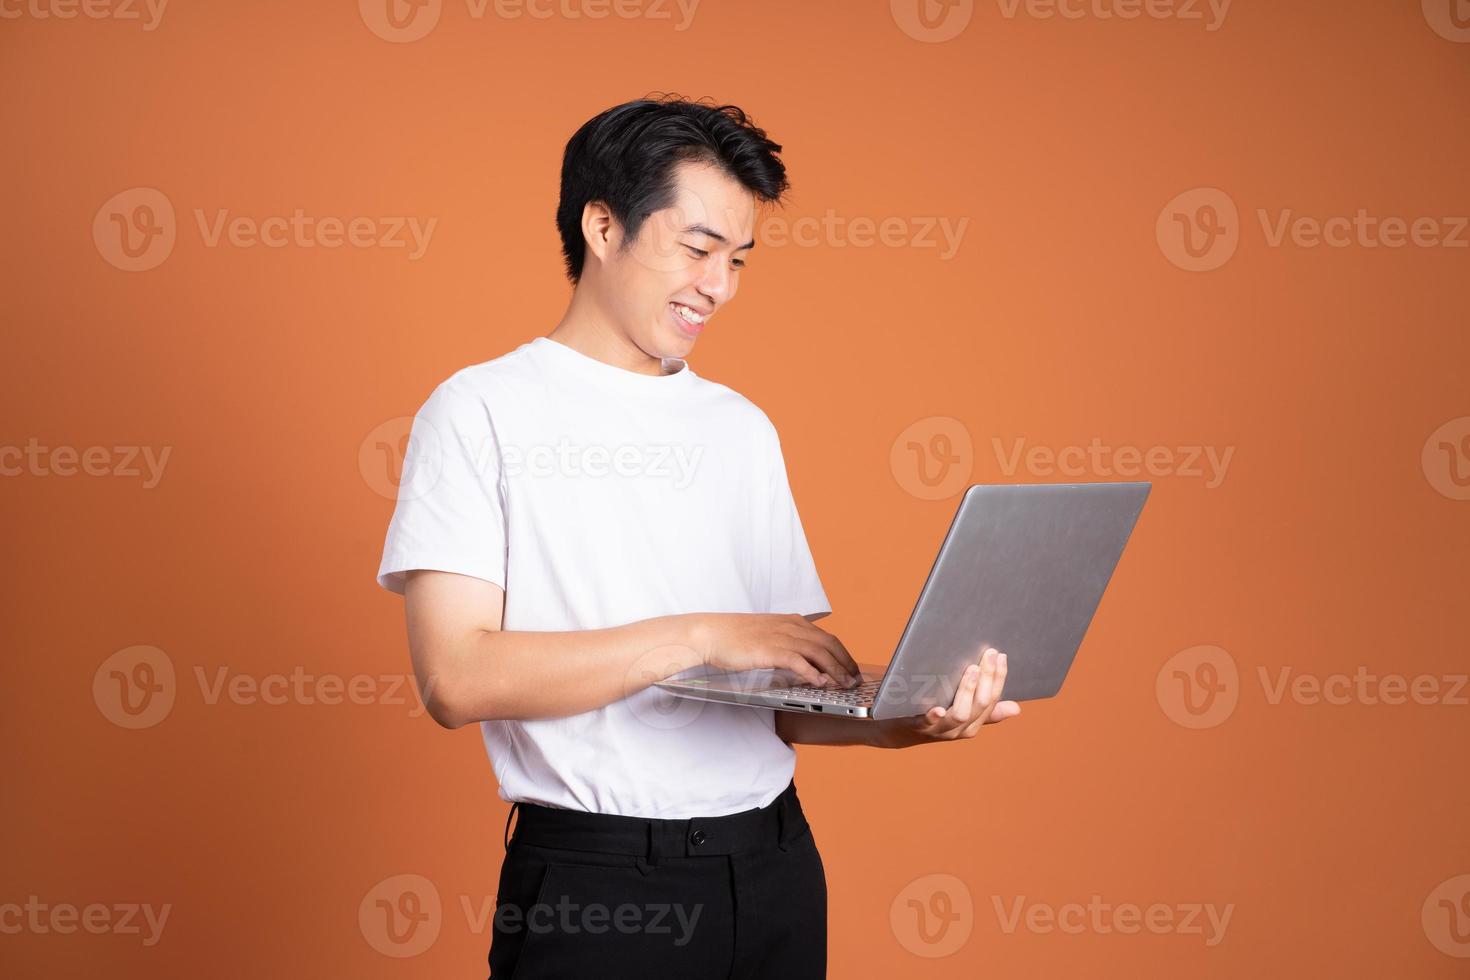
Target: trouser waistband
(779, 822)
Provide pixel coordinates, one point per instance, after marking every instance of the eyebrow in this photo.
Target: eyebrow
(702, 230)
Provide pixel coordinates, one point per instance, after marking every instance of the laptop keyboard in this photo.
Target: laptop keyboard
(864, 693)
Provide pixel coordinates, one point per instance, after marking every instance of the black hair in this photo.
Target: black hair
(625, 158)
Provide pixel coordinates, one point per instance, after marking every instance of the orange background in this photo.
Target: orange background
(1326, 548)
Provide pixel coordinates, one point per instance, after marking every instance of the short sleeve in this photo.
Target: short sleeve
(450, 515)
(795, 586)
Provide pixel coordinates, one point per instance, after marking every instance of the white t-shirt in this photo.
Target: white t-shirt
(597, 496)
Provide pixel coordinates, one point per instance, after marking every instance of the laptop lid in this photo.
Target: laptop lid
(1022, 568)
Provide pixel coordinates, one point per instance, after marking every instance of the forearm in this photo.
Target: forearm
(521, 675)
(813, 729)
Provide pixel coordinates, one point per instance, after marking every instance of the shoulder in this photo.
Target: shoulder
(744, 415)
(478, 388)
(487, 377)
(736, 406)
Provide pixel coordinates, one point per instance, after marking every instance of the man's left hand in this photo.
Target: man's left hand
(976, 704)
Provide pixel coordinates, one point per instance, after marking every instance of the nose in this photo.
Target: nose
(716, 281)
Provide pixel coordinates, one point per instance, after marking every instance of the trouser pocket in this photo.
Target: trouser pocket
(603, 916)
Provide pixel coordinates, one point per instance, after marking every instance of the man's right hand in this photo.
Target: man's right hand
(751, 641)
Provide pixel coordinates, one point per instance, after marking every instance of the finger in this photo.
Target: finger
(832, 645)
(987, 680)
(1002, 711)
(963, 709)
(836, 646)
(821, 658)
(994, 715)
(797, 664)
(997, 683)
(956, 716)
(1001, 668)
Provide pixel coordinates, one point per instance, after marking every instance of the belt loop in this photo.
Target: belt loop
(647, 864)
(516, 805)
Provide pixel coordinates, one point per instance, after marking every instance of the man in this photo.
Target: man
(584, 516)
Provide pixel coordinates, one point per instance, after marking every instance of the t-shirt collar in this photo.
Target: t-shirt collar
(677, 376)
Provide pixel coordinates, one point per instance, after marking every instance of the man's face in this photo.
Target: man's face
(685, 264)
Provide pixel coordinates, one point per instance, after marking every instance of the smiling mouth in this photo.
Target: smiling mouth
(690, 316)
(690, 322)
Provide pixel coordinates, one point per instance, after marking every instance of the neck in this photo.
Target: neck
(587, 329)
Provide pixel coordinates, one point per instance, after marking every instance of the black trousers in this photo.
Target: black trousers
(708, 898)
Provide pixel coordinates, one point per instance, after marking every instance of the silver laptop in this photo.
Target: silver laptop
(1022, 569)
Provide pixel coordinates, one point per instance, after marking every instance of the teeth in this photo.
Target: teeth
(688, 314)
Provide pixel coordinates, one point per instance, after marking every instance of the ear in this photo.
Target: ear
(598, 229)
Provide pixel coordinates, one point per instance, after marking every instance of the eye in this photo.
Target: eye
(700, 253)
